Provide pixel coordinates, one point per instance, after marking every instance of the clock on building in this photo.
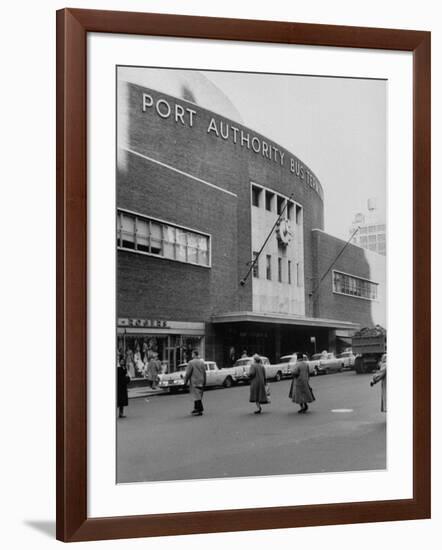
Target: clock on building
(284, 232)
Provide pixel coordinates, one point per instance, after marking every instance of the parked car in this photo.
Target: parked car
(173, 381)
(288, 362)
(215, 376)
(326, 362)
(347, 359)
(272, 371)
(314, 362)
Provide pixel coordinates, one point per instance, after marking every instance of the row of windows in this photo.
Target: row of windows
(168, 241)
(354, 286)
(268, 199)
(372, 229)
(288, 277)
(381, 238)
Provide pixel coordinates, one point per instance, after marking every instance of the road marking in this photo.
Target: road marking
(342, 410)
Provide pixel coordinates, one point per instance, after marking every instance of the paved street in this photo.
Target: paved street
(159, 440)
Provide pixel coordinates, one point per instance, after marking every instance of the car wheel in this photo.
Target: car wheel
(278, 376)
(228, 382)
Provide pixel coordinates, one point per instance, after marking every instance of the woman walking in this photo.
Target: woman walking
(257, 375)
(300, 390)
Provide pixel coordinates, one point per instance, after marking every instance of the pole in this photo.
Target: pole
(333, 262)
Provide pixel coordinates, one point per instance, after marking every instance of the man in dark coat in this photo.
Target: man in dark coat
(123, 380)
(196, 377)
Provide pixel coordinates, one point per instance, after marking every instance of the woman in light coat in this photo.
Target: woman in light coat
(300, 390)
(257, 375)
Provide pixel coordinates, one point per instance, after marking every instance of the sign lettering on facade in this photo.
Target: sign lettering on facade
(226, 131)
(143, 323)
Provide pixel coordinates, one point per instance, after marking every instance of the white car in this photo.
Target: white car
(347, 359)
(243, 365)
(174, 381)
(288, 362)
(326, 362)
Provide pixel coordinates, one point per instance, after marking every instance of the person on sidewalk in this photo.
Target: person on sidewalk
(381, 376)
(153, 370)
(257, 375)
(196, 377)
(123, 380)
(300, 390)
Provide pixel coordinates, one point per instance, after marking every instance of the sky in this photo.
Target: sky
(337, 126)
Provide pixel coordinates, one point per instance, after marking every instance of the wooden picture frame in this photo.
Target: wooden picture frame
(73, 25)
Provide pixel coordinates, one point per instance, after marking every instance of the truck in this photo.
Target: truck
(369, 345)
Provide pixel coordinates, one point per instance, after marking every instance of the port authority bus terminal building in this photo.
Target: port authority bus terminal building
(197, 195)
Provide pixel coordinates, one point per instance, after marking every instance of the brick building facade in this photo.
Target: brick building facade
(196, 195)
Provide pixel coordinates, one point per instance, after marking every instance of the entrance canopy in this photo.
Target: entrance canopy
(282, 319)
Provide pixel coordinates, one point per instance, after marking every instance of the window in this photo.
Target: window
(256, 196)
(290, 208)
(354, 286)
(127, 231)
(298, 214)
(289, 272)
(161, 239)
(280, 270)
(256, 265)
(298, 274)
(269, 200)
(280, 202)
(268, 267)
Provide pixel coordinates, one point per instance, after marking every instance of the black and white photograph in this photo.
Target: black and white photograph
(251, 297)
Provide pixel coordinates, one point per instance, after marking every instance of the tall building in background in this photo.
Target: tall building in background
(372, 232)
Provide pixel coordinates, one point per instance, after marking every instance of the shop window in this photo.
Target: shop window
(171, 350)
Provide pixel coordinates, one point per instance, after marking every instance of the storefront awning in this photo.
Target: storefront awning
(282, 319)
